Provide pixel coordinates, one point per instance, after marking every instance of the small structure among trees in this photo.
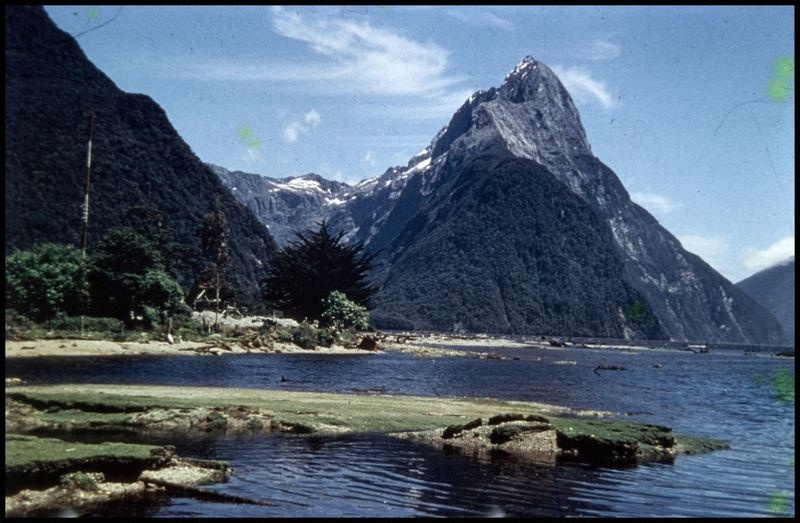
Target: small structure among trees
(304, 274)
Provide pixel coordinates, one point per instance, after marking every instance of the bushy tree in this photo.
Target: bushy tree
(45, 280)
(306, 271)
(341, 313)
(129, 274)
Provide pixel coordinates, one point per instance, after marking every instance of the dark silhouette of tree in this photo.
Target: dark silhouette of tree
(216, 241)
(306, 271)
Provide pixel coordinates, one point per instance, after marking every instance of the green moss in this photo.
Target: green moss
(697, 445)
(29, 451)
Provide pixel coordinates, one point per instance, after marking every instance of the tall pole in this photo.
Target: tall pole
(85, 231)
(85, 228)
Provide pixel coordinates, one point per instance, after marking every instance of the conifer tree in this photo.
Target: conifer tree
(306, 271)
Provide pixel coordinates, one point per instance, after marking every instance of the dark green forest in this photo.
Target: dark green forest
(508, 250)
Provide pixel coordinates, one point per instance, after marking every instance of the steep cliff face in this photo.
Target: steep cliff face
(138, 159)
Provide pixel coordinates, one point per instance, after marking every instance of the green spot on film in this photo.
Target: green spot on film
(784, 385)
(778, 503)
(635, 311)
(782, 78)
(249, 138)
(93, 14)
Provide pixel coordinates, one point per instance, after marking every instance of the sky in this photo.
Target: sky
(692, 107)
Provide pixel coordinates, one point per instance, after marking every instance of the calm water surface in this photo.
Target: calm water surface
(723, 394)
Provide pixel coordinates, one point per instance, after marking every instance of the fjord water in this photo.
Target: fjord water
(727, 394)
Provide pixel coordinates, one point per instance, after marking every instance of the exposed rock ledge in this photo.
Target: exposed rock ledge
(46, 474)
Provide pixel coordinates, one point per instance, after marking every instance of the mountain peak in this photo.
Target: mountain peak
(527, 63)
(531, 112)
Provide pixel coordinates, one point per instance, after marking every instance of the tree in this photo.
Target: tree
(216, 240)
(340, 313)
(317, 263)
(128, 274)
(45, 280)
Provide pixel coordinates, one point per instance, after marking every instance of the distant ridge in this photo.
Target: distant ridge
(773, 288)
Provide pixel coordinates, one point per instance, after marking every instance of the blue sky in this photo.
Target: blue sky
(692, 107)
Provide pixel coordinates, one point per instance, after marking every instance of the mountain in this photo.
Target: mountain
(285, 205)
(138, 159)
(532, 117)
(508, 223)
(773, 288)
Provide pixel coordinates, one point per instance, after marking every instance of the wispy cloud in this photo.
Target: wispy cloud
(582, 87)
(291, 133)
(360, 56)
(348, 57)
(655, 202)
(480, 18)
(369, 158)
(780, 251)
(601, 50)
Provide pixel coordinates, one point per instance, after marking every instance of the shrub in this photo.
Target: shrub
(90, 323)
(45, 280)
(305, 336)
(341, 313)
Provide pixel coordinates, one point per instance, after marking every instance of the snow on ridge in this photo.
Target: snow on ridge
(302, 184)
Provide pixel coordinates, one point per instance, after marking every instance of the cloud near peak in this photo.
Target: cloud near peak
(583, 88)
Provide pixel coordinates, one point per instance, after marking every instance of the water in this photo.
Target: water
(729, 395)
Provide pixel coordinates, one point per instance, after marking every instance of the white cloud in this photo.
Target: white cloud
(602, 49)
(655, 202)
(369, 158)
(349, 57)
(582, 87)
(313, 118)
(292, 132)
(359, 56)
(780, 251)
